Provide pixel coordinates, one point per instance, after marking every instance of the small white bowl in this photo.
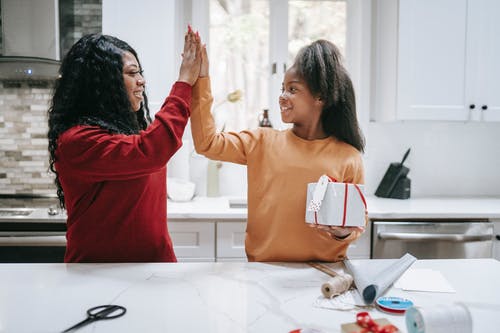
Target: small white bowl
(180, 190)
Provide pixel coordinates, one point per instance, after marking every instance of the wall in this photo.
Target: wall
(148, 26)
(446, 158)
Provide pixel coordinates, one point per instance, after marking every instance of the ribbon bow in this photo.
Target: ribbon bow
(364, 320)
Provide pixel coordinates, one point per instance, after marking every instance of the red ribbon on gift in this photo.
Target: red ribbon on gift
(364, 320)
(345, 200)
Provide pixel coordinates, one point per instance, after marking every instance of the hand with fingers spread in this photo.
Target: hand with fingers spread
(191, 58)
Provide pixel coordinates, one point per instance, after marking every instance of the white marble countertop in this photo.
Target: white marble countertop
(378, 208)
(434, 207)
(215, 297)
(219, 209)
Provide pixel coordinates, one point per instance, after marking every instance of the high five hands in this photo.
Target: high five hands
(191, 58)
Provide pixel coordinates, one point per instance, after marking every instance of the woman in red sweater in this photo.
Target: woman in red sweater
(109, 157)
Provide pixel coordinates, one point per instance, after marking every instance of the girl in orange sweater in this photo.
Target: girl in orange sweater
(318, 99)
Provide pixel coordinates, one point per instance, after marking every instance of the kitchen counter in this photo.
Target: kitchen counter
(215, 297)
(378, 208)
(220, 208)
(432, 208)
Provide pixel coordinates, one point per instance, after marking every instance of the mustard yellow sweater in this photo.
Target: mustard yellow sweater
(279, 167)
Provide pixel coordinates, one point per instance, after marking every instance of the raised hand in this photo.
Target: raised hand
(191, 58)
(204, 62)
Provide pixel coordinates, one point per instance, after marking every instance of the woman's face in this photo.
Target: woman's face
(134, 82)
(297, 104)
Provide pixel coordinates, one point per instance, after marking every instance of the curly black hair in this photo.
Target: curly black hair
(91, 91)
(319, 64)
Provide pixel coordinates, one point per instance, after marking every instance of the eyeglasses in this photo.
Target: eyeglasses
(135, 74)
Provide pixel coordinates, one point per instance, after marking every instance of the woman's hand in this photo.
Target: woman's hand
(191, 58)
(204, 62)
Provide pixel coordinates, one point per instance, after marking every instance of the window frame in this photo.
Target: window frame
(358, 46)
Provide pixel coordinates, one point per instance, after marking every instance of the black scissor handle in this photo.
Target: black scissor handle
(106, 311)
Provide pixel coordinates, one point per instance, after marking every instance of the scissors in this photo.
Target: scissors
(100, 312)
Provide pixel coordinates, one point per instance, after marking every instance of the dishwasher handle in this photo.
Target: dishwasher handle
(455, 238)
(33, 241)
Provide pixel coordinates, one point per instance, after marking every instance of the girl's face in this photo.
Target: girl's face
(134, 82)
(297, 104)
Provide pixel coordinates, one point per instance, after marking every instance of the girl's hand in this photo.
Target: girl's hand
(338, 232)
(204, 62)
(191, 58)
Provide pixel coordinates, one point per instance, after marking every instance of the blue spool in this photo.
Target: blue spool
(393, 304)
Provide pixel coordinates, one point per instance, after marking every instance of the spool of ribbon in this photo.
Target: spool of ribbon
(336, 285)
(439, 319)
(364, 320)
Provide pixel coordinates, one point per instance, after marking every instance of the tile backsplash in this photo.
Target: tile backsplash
(23, 138)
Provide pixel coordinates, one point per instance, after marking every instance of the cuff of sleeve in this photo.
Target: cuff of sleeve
(182, 90)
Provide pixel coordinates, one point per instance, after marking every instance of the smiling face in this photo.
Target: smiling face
(134, 82)
(297, 104)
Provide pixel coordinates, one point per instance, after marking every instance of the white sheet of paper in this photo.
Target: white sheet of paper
(422, 279)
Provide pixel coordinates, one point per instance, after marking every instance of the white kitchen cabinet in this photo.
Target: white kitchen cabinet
(193, 241)
(230, 243)
(496, 239)
(448, 66)
(360, 249)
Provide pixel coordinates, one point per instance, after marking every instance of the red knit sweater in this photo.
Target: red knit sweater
(115, 187)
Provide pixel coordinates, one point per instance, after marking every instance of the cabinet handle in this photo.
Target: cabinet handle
(484, 107)
(33, 241)
(455, 238)
(497, 237)
(472, 106)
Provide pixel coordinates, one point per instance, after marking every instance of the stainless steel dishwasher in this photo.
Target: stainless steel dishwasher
(436, 239)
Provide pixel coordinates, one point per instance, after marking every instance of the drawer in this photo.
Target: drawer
(231, 241)
(193, 241)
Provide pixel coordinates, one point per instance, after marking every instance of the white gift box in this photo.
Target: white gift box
(336, 204)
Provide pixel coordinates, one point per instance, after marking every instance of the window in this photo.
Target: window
(312, 20)
(252, 42)
(239, 61)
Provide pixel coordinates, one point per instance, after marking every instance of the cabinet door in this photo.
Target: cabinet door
(485, 32)
(231, 241)
(433, 60)
(193, 241)
(360, 249)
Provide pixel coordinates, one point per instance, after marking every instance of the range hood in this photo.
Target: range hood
(30, 40)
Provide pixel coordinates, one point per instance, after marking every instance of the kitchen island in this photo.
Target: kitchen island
(216, 297)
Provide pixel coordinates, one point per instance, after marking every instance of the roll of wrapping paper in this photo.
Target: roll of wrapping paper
(371, 286)
(336, 285)
(439, 319)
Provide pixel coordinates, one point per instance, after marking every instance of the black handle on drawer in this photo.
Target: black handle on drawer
(497, 237)
(484, 107)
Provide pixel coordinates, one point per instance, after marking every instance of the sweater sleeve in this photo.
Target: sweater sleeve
(94, 152)
(355, 172)
(225, 146)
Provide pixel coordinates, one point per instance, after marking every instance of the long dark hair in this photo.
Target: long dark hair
(91, 91)
(319, 65)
